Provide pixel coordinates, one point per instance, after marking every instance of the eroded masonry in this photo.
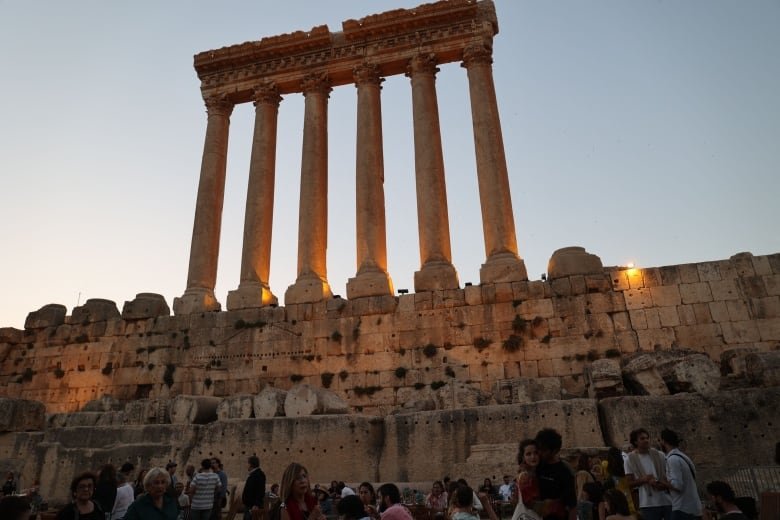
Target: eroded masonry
(367, 387)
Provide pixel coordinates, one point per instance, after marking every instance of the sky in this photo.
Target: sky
(645, 131)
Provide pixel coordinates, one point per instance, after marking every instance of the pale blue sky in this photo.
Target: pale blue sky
(645, 131)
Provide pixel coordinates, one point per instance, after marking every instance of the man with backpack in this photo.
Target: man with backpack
(681, 477)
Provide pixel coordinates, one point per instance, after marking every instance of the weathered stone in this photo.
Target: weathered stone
(605, 379)
(145, 305)
(236, 407)
(573, 260)
(524, 390)
(21, 415)
(194, 409)
(90, 419)
(304, 400)
(642, 374)
(732, 360)
(95, 309)
(104, 404)
(50, 315)
(148, 411)
(694, 373)
(763, 368)
(460, 395)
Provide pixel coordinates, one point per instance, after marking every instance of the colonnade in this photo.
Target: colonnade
(436, 271)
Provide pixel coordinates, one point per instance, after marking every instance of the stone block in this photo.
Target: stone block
(740, 332)
(21, 415)
(473, 295)
(695, 292)
(303, 400)
(651, 277)
(105, 403)
(763, 368)
(635, 279)
(457, 395)
(627, 341)
(768, 307)
(638, 319)
(701, 312)
(638, 298)
(689, 273)
(95, 309)
(699, 336)
(655, 339)
(772, 284)
(148, 411)
(578, 285)
(725, 290)
(194, 409)
(538, 289)
(570, 261)
(539, 307)
(529, 390)
(665, 295)
(504, 292)
(670, 275)
(145, 305)
(643, 376)
(51, 315)
(752, 286)
(619, 280)
(694, 373)
(719, 312)
(743, 264)
(597, 283)
(708, 271)
(236, 407)
(738, 310)
(605, 379)
(561, 287)
(732, 360)
(769, 329)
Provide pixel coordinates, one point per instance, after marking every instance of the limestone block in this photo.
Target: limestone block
(605, 379)
(456, 394)
(303, 399)
(573, 260)
(148, 411)
(732, 360)
(670, 275)
(21, 415)
(665, 295)
(530, 389)
(236, 407)
(643, 376)
(95, 309)
(638, 298)
(743, 263)
(752, 286)
(694, 373)
(51, 315)
(740, 332)
(194, 409)
(698, 292)
(104, 404)
(724, 289)
(145, 305)
(597, 283)
(689, 273)
(769, 329)
(763, 368)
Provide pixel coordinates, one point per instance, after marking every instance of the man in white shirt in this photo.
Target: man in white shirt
(506, 489)
(645, 468)
(681, 476)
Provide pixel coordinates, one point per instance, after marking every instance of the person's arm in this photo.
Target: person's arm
(674, 474)
(484, 498)
(260, 494)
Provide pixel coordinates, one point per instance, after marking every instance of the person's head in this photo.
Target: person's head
(82, 486)
(171, 467)
(189, 470)
(295, 482)
(463, 498)
(616, 502)
(141, 475)
(367, 494)
(351, 508)
(178, 488)
(205, 465)
(507, 478)
(107, 474)
(9, 475)
(592, 492)
(14, 508)
(156, 482)
(254, 462)
(583, 462)
(615, 465)
(721, 494)
(487, 482)
(640, 439)
(275, 489)
(549, 443)
(528, 454)
(388, 495)
(437, 488)
(216, 464)
(669, 439)
(127, 469)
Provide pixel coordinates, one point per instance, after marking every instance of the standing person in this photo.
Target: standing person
(220, 498)
(506, 489)
(645, 469)
(124, 492)
(352, 508)
(390, 507)
(437, 500)
(83, 507)
(556, 478)
(171, 469)
(14, 508)
(9, 486)
(722, 497)
(297, 500)
(681, 478)
(155, 503)
(203, 489)
(105, 490)
(527, 483)
(253, 495)
(138, 485)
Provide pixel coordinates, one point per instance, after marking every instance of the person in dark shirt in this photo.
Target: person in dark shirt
(556, 478)
(254, 490)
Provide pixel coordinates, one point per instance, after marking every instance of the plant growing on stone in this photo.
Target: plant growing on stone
(336, 336)
(107, 369)
(343, 375)
(207, 382)
(519, 324)
(437, 384)
(366, 390)
(170, 368)
(481, 343)
(28, 374)
(327, 379)
(400, 372)
(295, 378)
(546, 339)
(429, 350)
(612, 353)
(59, 373)
(513, 343)
(449, 372)
(593, 355)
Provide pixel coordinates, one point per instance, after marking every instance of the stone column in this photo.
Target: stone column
(498, 224)
(371, 278)
(436, 271)
(204, 251)
(311, 284)
(253, 290)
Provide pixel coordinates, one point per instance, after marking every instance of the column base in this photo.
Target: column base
(503, 267)
(250, 295)
(436, 275)
(308, 289)
(196, 299)
(374, 282)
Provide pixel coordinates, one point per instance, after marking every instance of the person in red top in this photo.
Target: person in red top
(527, 483)
(298, 501)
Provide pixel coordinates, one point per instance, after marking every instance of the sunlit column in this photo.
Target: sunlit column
(204, 251)
(436, 271)
(253, 290)
(498, 224)
(371, 278)
(312, 284)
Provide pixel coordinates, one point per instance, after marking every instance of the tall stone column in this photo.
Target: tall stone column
(436, 271)
(498, 223)
(253, 289)
(371, 278)
(204, 251)
(312, 283)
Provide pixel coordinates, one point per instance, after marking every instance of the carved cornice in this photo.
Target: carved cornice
(367, 74)
(422, 64)
(316, 83)
(266, 93)
(477, 54)
(218, 105)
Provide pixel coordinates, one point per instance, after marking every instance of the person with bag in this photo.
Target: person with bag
(681, 477)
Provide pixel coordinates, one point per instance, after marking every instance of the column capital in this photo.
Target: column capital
(266, 93)
(218, 105)
(422, 64)
(367, 74)
(477, 54)
(317, 82)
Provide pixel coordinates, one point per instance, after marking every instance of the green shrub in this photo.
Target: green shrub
(429, 350)
(437, 384)
(400, 372)
(513, 343)
(327, 379)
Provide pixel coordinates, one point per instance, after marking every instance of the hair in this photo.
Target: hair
(254, 461)
(370, 489)
(87, 475)
(721, 489)
(288, 479)
(670, 437)
(351, 507)
(594, 490)
(615, 465)
(550, 439)
(107, 475)
(390, 491)
(633, 437)
(583, 462)
(617, 502)
(275, 486)
(464, 497)
(189, 470)
(205, 464)
(521, 451)
(153, 474)
(14, 508)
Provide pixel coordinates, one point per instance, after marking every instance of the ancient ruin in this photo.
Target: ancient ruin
(364, 384)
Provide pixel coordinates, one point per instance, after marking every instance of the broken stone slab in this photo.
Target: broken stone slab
(643, 376)
(194, 409)
(302, 400)
(145, 305)
(573, 260)
(236, 407)
(51, 315)
(269, 402)
(605, 379)
(456, 395)
(523, 390)
(694, 373)
(84, 419)
(94, 310)
(104, 404)
(148, 411)
(763, 368)
(21, 415)
(732, 360)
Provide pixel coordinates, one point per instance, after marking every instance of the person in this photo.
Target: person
(645, 469)
(583, 473)
(171, 469)
(437, 500)
(527, 483)
(124, 492)
(220, 498)
(390, 507)
(273, 494)
(83, 507)
(616, 477)
(591, 495)
(367, 497)
(105, 490)
(556, 478)
(253, 496)
(462, 504)
(723, 500)
(9, 486)
(506, 489)
(346, 490)
(182, 501)
(155, 503)
(351, 507)
(487, 487)
(203, 489)
(616, 506)
(14, 508)
(297, 500)
(138, 485)
(680, 478)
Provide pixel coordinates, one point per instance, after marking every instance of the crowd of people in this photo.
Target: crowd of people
(642, 482)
